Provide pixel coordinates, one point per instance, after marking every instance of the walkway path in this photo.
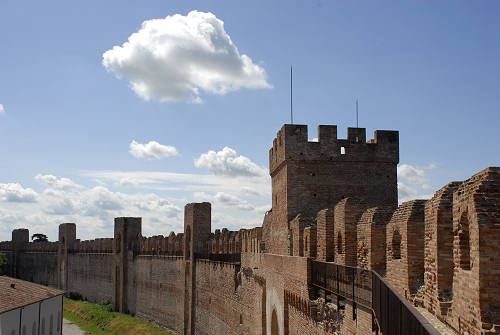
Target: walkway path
(69, 328)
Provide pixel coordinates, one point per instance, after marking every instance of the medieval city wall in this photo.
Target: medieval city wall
(91, 276)
(159, 283)
(333, 202)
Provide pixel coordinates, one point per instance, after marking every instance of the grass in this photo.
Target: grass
(99, 319)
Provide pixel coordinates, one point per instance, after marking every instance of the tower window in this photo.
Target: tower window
(342, 150)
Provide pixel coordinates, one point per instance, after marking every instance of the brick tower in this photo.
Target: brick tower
(310, 176)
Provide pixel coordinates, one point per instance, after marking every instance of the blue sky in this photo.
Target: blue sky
(68, 120)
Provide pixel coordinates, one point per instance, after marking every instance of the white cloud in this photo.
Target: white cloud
(2, 109)
(58, 183)
(128, 182)
(13, 192)
(171, 59)
(414, 182)
(226, 162)
(225, 200)
(152, 150)
(413, 175)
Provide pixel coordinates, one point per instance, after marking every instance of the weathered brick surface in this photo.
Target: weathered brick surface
(310, 241)
(371, 238)
(438, 275)
(347, 213)
(325, 230)
(160, 290)
(476, 252)
(310, 176)
(91, 275)
(405, 247)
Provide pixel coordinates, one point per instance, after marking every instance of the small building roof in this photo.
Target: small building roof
(15, 293)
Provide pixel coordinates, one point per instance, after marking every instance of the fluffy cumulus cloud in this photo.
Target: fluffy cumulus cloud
(152, 150)
(2, 109)
(92, 208)
(57, 183)
(171, 59)
(13, 192)
(227, 162)
(225, 199)
(414, 182)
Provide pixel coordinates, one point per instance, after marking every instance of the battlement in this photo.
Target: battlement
(291, 143)
(159, 244)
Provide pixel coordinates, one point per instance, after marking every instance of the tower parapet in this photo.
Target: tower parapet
(310, 176)
(291, 143)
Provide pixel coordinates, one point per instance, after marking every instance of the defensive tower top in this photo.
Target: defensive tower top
(291, 143)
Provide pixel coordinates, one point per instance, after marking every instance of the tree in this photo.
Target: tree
(3, 261)
(39, 238)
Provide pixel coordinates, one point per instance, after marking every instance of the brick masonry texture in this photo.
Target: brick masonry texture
(328, 204)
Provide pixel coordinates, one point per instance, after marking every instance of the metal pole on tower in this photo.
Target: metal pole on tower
(357, 114)
(291, 94)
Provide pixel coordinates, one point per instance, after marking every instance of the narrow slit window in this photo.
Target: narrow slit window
(342, 150)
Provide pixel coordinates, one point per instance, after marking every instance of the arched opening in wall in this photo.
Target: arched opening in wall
(306, 244)
(187, 246)
(464, 241)
(396, 245)
(274, 323)
(340, 248)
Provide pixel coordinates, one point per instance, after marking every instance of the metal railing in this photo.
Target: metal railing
(393, 313)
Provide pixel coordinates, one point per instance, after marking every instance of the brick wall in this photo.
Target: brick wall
(371, 238)
(438, 276)
(347, 213)
(160, 290)
(91, 275)
(310, 176)
(405, 247)
(476, 229)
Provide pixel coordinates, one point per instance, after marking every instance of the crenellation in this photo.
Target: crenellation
(328, 205)
(291, 143)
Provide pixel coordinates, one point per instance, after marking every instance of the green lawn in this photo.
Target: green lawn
(101, 320)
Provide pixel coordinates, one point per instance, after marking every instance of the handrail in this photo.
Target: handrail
(394, 315)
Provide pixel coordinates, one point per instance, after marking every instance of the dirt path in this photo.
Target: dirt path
(69, 328)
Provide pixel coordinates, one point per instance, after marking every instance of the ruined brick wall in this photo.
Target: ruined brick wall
(438, 276)
(346, 215)
(324, 234)
(159, 282)
(371, 238)
(310, 176)
(476, 229)
(405, 247)
(310, 241)
(227, 301)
